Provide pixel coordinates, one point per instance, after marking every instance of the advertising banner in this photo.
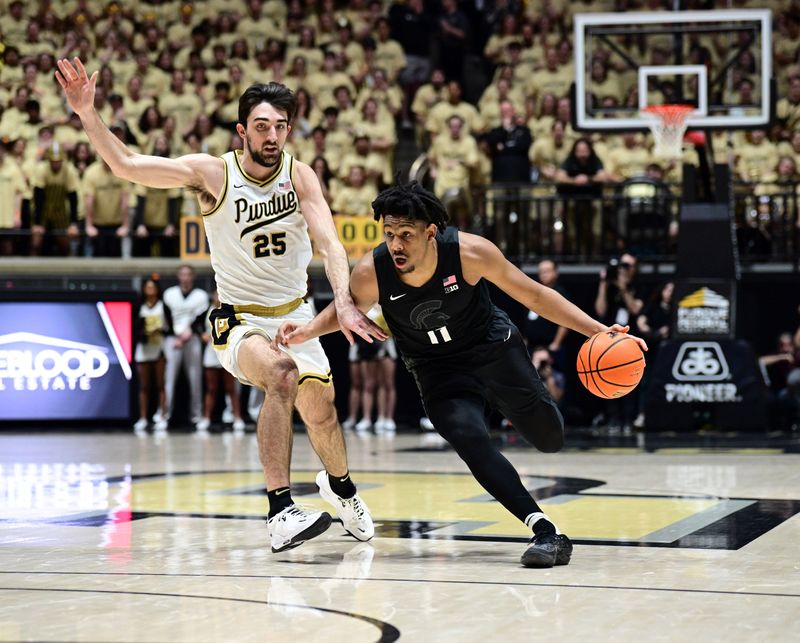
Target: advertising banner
(706, 308)
(359, 235)
(714, 383)
(65, 360)
(194, 244)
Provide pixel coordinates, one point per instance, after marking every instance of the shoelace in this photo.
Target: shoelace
(295, 510)
(358, 506)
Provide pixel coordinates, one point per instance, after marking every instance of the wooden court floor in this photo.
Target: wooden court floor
(110, 537)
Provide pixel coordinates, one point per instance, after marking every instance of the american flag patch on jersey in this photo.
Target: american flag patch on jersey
(449, 281)
(282, 185)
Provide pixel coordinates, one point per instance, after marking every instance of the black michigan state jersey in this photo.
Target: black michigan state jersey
(443, 317)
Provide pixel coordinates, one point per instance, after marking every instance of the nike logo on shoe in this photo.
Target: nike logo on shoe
(394, 297)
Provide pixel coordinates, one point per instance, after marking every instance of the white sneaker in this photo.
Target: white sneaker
(140, 425)
(202, 425)
(227, 416)
(353, 512)
(349, 424)
(426, 425)
(389, 425)
(238, 425)
(293, 526)
(380, 425)
(161, 426)
(157, 417)
(364, 424)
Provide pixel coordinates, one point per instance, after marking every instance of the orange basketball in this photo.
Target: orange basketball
(610, 364)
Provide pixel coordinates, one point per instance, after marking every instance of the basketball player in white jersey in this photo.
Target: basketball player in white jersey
(261, 209)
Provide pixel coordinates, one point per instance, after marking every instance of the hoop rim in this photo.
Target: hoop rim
(673, 111)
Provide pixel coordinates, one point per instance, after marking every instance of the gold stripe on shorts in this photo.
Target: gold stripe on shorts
(269, 311)
(315, 377)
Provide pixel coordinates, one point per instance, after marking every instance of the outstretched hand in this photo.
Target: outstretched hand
(353, 321)
(77, 85)
(624, 329)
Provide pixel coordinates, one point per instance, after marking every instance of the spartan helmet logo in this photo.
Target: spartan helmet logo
(426, 316)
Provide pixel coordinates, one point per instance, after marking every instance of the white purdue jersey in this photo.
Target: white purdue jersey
(260, 248)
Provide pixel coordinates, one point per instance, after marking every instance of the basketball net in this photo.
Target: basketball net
(668, 125)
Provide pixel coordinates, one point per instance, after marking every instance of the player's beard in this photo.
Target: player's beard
(266, 161)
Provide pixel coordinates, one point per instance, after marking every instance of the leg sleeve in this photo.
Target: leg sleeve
(461, 422)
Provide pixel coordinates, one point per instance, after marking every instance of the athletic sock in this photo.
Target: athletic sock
(279, 499)
(539, 523)
(342, 486)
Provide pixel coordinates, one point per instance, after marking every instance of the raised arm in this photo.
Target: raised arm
(323, 232)
(481, 258)
(199, 172)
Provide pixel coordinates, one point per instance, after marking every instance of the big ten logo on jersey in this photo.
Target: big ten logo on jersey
(194, 244)
(450, 284)
(359, 235)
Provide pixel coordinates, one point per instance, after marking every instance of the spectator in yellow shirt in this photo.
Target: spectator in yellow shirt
(453, 157)
(356, 196)
(106, 203)
(757, 157)
(12, 189)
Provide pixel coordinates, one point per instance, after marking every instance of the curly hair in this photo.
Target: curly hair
(413, 201)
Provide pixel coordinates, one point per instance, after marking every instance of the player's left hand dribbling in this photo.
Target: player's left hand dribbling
(617, 328)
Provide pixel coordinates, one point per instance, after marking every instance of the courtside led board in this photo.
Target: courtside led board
(65, 360)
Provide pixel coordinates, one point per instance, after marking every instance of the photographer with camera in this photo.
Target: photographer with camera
(619, 302)
(553, 379)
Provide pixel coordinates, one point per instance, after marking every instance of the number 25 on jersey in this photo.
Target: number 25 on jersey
(265, 245)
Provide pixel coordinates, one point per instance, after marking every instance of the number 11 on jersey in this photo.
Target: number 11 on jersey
(443, 333)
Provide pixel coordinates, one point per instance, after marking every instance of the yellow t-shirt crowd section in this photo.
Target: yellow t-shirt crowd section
(171, 73)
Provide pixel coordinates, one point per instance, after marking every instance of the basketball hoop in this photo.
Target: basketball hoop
(668, 124)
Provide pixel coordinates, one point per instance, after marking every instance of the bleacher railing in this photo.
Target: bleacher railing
(533, 221)
(530, 222)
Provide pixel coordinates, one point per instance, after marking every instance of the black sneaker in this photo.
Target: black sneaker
(546, 550)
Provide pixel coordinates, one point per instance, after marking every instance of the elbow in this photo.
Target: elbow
(121, 169)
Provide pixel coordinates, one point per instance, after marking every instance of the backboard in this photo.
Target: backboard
(625, 62)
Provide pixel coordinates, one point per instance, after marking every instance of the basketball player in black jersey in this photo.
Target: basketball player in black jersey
(463, 351)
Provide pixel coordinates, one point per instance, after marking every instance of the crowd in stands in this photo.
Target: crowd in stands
(484, 87)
